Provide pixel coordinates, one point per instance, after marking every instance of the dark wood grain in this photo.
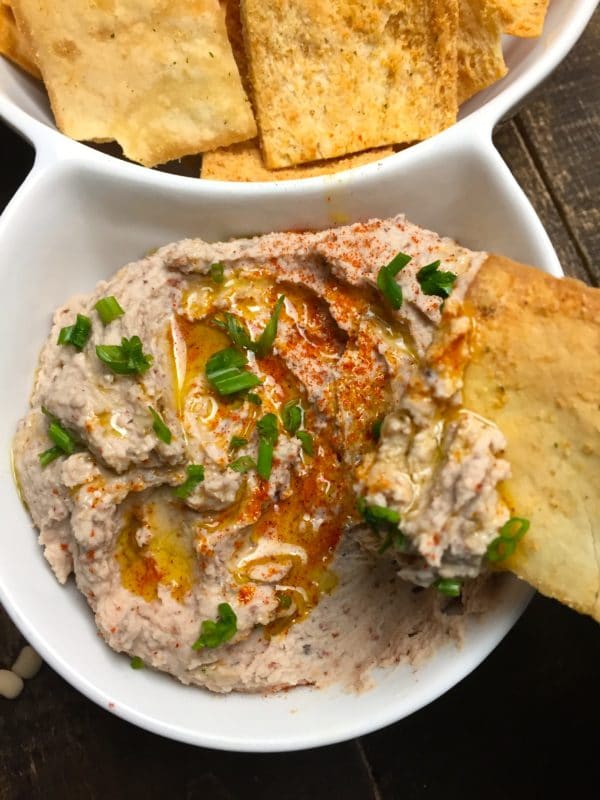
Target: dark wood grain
(56, 744)
(552, 148)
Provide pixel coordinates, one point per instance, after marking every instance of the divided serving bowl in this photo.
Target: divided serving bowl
(81, 214)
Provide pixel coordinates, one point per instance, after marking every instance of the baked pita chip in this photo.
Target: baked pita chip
(479, 49)
(523, 17)
(158, 76)
(535, 371)
(244, 162)
(332, 77)
(13, 44)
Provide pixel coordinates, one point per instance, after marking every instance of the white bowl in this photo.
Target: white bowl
(81, 215)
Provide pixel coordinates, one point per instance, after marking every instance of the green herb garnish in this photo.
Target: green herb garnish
(137, 663)
(212, 634)
(64, 442)
(306, 441)
(509, 535)
(108, 309)
(436, 281)
(386, 280)
(267, 439)
(195, 476)
(225, 372)
(77, 334)
(291, 416)
(237, 441)
(243, 464)
(395, 538)
(126, 358)
(216, 272)
(376, 515)
(236, 330)
(240, 336)
(285, 600)
(376, 429)
(61, 438)
(451, 587)
(254, 399)
(264, 343)
(383, 520)
(159, 427)
(49, 455)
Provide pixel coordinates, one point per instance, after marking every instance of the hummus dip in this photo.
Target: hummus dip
(207, 503)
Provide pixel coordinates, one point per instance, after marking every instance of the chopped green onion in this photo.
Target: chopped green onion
(267, 439)
(515, 529)
(383, 520)
(212, 634)
(137, 663)
(500, 549)
(291, 416)
(264, 343)
(451, 587)
(388, 287)
(64, 442)
(224, 360)
(236, 383)
(108, 309)
(159, 427)
(376, 515)
(509, 535)
(240, 336)
(49, 455)
(236, 330)
(237, 441)
(61, 438)
(126, 358)
(398, 262)
(216, 272)
(306, 441)
(436, 281)
(285, 600)
(393, 537)
(376, 429)
(254, 398)
(195, 476)
(386, 283)
(77, 334)
(224, 372)
(243, 464)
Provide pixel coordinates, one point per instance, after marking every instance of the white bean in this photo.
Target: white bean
(11, 684)
(28, 663)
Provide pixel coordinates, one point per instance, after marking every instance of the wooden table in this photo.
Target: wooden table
(525, 724)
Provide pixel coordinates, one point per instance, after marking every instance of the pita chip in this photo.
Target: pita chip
(534, 370)
(158, 77)
(332, 77)
(523, 17)
(479, 47)
(13, 44)
(244, 162)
